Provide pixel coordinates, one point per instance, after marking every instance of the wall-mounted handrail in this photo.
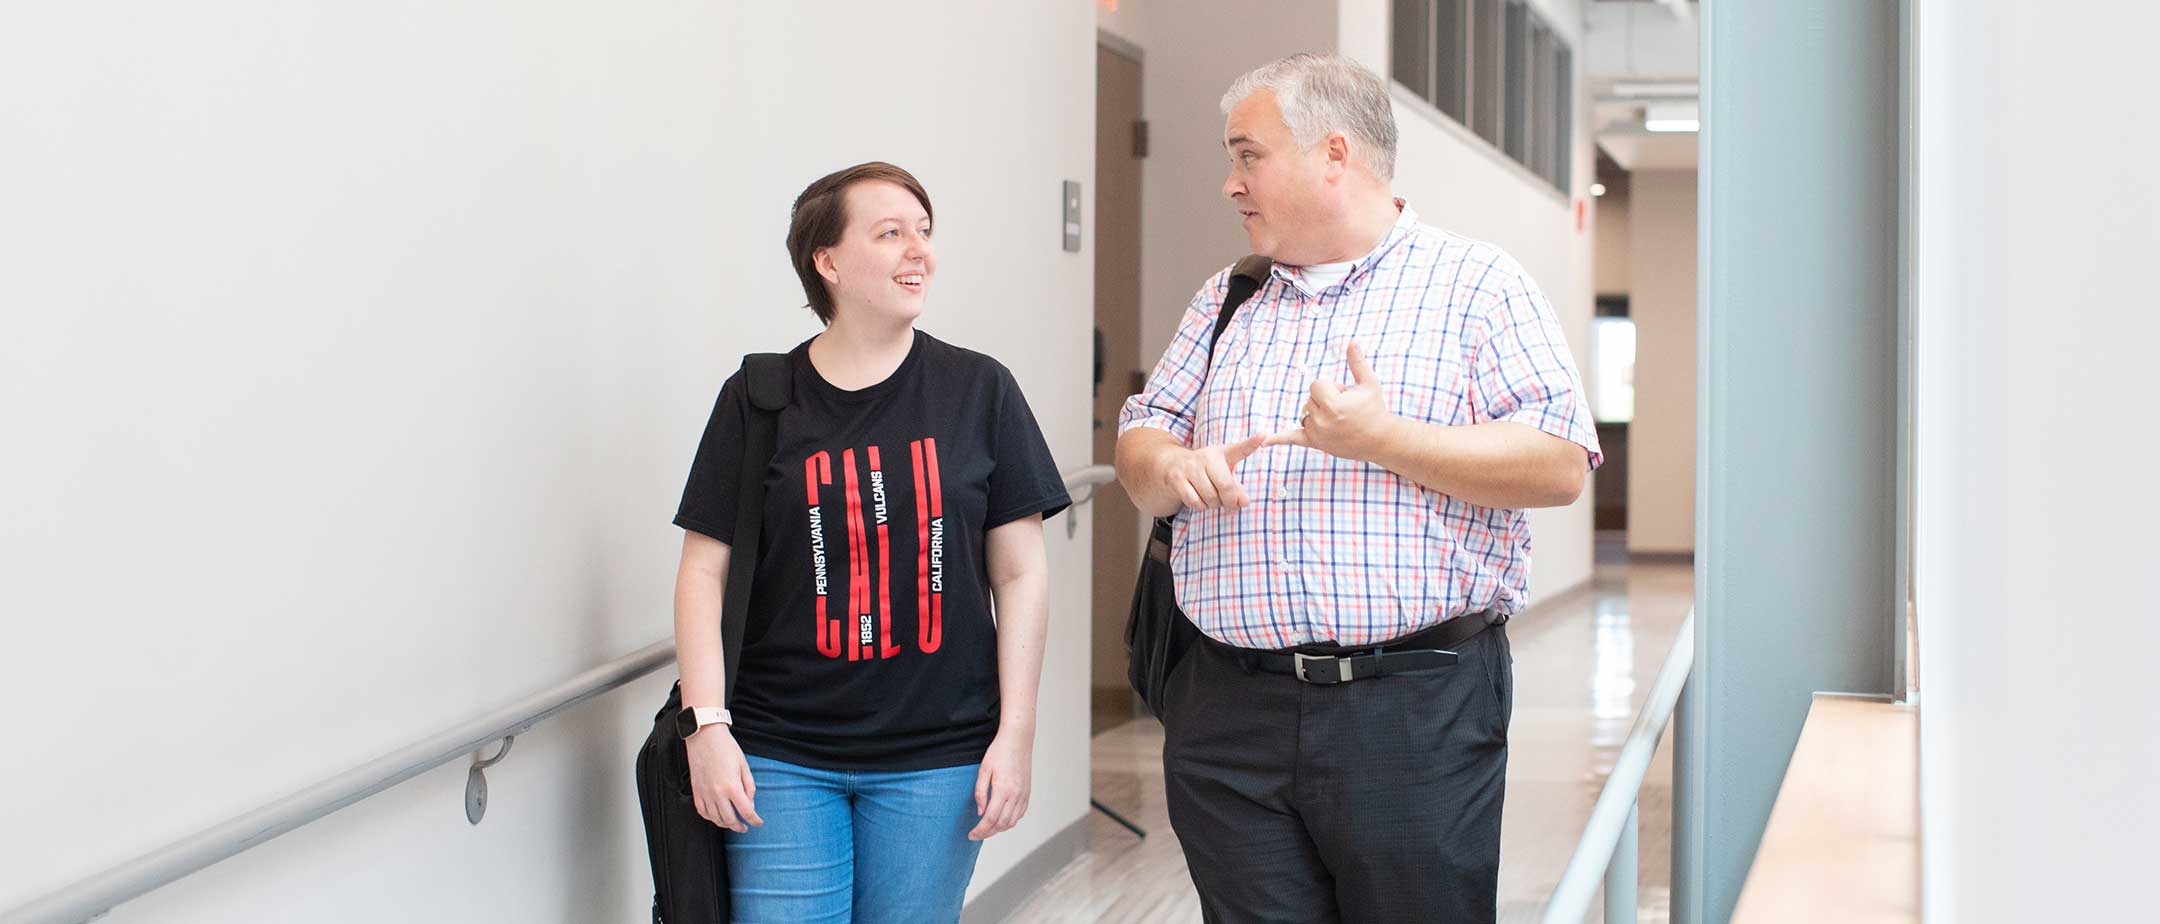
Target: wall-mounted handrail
(1088, 479)
(93, 896)
(1607, 848)
(1092, 478)
(97, 894)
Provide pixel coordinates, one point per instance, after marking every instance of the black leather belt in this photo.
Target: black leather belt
(1429, 649)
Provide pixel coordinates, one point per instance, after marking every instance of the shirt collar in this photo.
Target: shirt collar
(1405, 223)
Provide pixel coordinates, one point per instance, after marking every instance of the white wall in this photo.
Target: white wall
(1661, 440)
(2034, 519)
(1452, 179)
(355, 358)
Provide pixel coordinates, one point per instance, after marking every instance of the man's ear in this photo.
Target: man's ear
(823, 260)
(1337, 145)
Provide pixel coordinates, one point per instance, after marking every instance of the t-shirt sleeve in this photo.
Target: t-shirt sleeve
(708, 499)
(1024, 478)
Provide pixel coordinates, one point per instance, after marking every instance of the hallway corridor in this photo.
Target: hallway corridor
(1583, 663)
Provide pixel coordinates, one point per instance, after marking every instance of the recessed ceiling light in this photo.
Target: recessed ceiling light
(1671, 117)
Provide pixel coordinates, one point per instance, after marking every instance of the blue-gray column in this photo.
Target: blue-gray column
(1798, 415)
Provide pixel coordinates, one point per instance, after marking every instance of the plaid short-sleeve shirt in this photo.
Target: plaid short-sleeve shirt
(1349, 552)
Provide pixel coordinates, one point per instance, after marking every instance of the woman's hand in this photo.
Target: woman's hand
(1001, 786)
(720, 782)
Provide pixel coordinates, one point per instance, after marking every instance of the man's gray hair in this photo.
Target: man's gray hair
(1319, 94)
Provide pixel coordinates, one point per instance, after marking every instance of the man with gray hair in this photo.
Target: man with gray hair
(1348, 475)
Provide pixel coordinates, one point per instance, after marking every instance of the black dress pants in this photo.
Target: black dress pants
(1369, 802)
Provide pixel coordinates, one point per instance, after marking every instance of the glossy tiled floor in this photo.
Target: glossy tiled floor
(1583, 663)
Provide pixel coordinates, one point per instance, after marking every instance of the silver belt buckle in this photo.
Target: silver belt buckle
(1301, 660)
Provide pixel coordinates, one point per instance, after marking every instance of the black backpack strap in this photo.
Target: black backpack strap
(771, 385)
(1245, 279)
(766, 377)
(1157, 634)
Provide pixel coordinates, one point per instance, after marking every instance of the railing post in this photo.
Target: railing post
(1620, 875)
(1608, 841)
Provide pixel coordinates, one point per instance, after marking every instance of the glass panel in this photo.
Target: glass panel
(1451, 58)
(1614, 339)
(1564, 130)
(1412, 46)
(1486, 83)
(1514, 55)
(1537, 147)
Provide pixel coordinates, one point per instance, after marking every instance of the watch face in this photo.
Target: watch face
(685, 723)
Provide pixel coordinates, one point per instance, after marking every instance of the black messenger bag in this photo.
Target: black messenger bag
(689, 867)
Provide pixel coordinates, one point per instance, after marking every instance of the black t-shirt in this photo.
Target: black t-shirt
(870, 644)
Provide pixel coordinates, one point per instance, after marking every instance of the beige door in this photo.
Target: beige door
(1117, 317)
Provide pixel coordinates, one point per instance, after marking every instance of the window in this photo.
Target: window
(1497, 68)
(1613, 339)
(1538, 151)
(1485, 64)
(1515, 98)
(1451, 61)
(1412, 61)
(1563, 154)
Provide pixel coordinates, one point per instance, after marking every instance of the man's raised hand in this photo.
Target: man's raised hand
(1351, 423)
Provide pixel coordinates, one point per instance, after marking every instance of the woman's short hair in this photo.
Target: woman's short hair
(820, 216)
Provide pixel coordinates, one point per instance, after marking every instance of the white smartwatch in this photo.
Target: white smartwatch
(692, 718)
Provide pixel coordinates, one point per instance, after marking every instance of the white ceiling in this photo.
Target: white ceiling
(1637, 51)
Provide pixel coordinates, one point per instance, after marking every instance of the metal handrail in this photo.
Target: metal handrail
(1090, 477)
(1607, 847)
(97, 894)
(93, 896)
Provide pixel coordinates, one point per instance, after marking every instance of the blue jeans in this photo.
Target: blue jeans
(838, 847)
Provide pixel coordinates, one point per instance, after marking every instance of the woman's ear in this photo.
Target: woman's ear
(823, 260)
